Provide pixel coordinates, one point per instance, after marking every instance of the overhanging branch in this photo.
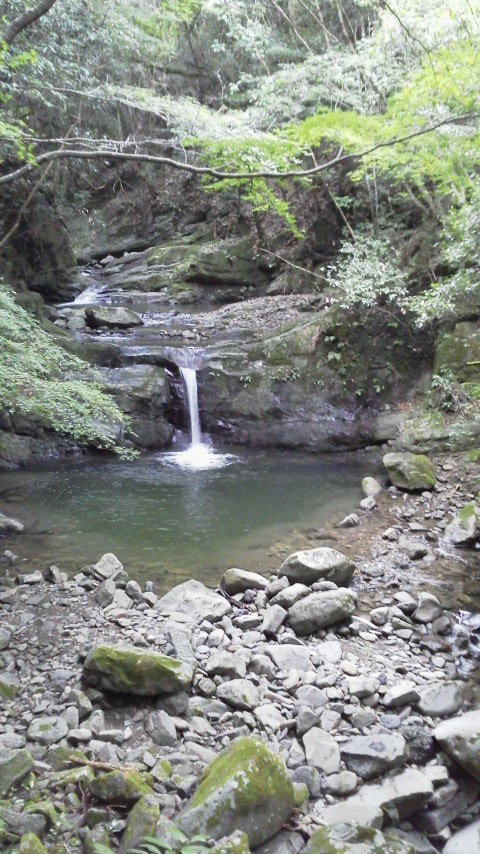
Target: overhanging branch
(139, 157)
(24, 21)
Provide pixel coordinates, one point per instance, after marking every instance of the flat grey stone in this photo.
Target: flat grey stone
(371, 755)
(321, 750)
(239, 693)
(440, 699)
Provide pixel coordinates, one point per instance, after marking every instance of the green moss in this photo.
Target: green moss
(473, 456)
(237, 843)
(45, 808)
(31, 844)
(141, 822)
(121, 787)
(136, 671)
(466, 513)
(73, 777)
(59, 757)
(15, 765)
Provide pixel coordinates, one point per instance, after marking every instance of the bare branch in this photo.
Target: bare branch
(24, 21)
(108, 154)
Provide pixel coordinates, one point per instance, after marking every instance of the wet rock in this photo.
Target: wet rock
(465, 840)
(112, 317)
(440, 699)
(370, 755)
(239, 580)
(313, 565)
(8, 525)
(239, 693)
(322, 609)
(120, 787)
(321, 750)
(371, 487)
(464, 529)
(412, 472)
(460, 738)
(368, 503)
(354, 839)
(14, 766)
(350, 521)
(413, 548)
(47, 730)
(246, 788)
(195, 601)
(132, 670)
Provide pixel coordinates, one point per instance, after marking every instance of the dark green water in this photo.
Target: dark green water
(169, 524)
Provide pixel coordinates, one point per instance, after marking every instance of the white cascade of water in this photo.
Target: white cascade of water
(189, 376)
(198, 455)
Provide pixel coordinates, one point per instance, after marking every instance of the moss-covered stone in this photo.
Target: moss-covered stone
(246, 788)
(59, 758)
(473, 456)
(236, 843)
(45, 808)
(31, 844)
(141, 822)
(121, 787)
(412, 472)
(72, 777)
(132, 670)
(14, 766)
(352, 838)
(464, 529)
(9, 686)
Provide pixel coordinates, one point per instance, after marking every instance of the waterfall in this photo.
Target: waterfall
(189, 376)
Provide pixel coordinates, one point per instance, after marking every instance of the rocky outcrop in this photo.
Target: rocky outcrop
(142, 392)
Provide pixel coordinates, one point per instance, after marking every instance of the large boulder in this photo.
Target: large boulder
(412, 472)
(312, 565)
(195, 601)
(464, 529)
(440, 699)
(322, 609)
(246, 788)
(239, 580)
(120, 787)
(131, 670)
(355, 839)
(460, 738)
(112, 317)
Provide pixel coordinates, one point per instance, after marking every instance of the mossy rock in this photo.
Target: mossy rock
(246, 788)
(141, 822)
(9, 686)
(121, 787)
(412, 472)
(59, 758)
(45, 808)
(132, 670)
(473, 456)
(352, 838)
(14, 767)
(464, 529)
(31, 844)
(72, 777)
(236, 843)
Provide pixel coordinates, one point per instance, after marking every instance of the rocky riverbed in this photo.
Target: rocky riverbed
(331, 707)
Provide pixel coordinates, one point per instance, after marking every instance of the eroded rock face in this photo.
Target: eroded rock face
(460, 738)
(412, 472)
(322, 609)
(312, 565)
(132, 670)
(246, 788)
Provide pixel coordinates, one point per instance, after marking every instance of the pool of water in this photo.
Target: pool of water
(168, 523)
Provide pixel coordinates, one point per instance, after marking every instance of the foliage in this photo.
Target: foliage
(176, 843)
(447, 393)
(39, 378)
(368, 275)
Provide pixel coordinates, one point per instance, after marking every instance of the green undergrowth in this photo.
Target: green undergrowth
(40, 380)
